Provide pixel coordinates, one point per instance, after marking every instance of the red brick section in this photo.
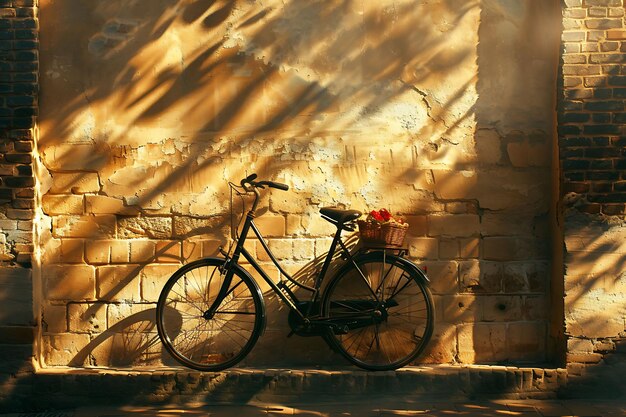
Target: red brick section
(592, 111)
(18, 111)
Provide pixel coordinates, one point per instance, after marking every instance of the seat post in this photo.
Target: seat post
(329, 257)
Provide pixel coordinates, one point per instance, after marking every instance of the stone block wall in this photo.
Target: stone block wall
(592, 142)
(18, 110)
(155, 106)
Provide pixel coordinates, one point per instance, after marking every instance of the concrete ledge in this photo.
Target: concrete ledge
(70, 387)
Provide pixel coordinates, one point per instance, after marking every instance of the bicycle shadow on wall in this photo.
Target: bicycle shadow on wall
(130, 342)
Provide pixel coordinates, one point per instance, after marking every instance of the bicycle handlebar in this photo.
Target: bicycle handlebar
(261, 184)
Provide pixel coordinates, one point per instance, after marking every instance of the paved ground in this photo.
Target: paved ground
(499, 408)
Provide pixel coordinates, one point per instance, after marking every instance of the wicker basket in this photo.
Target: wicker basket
(388, 234)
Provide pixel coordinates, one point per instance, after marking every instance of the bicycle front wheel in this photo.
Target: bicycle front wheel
(202, 341)
(382, 310)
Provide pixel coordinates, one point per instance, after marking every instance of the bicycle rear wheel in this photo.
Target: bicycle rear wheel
(385, 308)
(187, 332)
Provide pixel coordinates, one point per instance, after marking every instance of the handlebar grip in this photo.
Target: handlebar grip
(277, 185)
(248, 179)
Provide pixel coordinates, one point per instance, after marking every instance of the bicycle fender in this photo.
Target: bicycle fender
(238, 269)
(411, 265)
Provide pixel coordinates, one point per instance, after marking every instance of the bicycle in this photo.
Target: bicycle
(377, 310)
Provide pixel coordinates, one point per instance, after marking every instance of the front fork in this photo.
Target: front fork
(229, 261)
(224, 290)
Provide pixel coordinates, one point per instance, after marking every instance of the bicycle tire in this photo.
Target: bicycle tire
(401, 314)
(209, 344)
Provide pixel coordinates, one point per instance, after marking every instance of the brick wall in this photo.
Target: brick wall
(592, 116)
(18, 110)
(592, 139)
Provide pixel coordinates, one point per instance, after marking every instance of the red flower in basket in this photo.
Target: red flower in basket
(383, 216)
(376, 216)
(381, 227)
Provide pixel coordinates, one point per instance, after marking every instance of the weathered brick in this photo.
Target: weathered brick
(617, 80)
(168, 251)
(569, 36)
(511, 248)
(118, 283)
(594, 82)
(584, 357)
(606, 58)
(153, 278)
(480, 276)
(469, 248)
(18, 158)
(460, 225)
(19, 181)
(582, 70)
(16, 295)
(578, 345)
(448, 248)
(271, 226)
(423, 247)
(603, 23)
(480, 342)
(304, 249)
(527, 341)
(609, 105)
(536, 307)
(282, 249)
(597, 11)
(63, 348)
(179, 227)
(444, 276)
(62, 204)
(70, 282)
(461, 308)
(98, 251)
(502, 308)
(71, 250)
(101, 226)
(616, 34)
(603, 3)
(100, 204)
(142, 251)
(86, 317)
(54, 318)
(609, 46)
(74, 183)
(19, 214)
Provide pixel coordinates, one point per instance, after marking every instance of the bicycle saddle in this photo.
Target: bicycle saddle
(339, 216)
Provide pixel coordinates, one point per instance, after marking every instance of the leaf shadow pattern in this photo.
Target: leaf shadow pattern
(175, 107)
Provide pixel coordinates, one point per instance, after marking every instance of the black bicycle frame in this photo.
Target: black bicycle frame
(280, 289)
